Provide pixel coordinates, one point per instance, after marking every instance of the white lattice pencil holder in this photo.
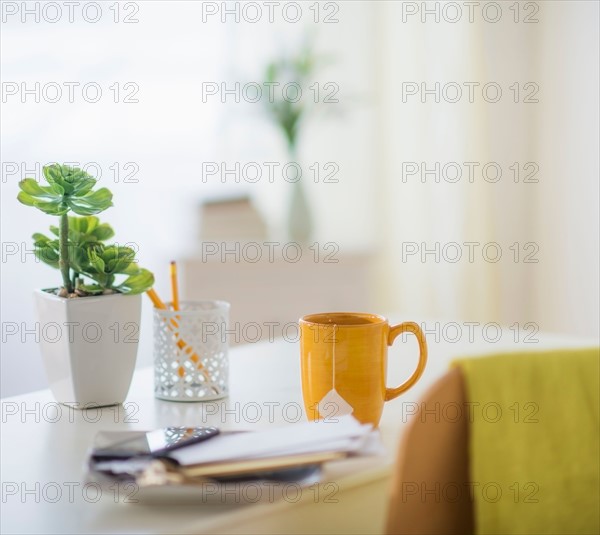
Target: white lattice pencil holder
(190, 351)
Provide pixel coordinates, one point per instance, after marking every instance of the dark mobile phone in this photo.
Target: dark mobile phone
(156, 443)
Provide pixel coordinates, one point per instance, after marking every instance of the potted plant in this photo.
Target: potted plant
(89, 326)
(289, 115)
(289, 112)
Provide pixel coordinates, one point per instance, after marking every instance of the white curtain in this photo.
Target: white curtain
(553, 220)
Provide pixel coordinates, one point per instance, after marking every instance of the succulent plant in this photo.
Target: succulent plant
(78, 247)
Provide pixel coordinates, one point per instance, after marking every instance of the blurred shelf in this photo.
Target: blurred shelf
(267, 296)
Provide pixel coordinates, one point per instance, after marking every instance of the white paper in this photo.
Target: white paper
(308, 437)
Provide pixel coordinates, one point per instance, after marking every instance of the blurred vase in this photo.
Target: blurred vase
(300, 226)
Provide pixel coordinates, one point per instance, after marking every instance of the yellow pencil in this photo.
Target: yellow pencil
(174, 287)
(155, 299)
(159, 303)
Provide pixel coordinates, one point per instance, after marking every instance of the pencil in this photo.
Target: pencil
(159, 303)
(174, 287)
(155, 299)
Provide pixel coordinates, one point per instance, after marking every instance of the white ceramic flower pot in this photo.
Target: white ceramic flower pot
(89, 346)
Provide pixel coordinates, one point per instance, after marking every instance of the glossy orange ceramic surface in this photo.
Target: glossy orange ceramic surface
(359, 343)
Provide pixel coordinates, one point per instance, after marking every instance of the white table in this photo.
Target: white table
(44, 447)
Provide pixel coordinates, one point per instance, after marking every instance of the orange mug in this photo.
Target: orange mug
(344, 364)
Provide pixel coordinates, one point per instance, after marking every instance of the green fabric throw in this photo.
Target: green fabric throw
(534, 441)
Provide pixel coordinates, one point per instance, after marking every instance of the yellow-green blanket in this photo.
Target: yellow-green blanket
(534, 441)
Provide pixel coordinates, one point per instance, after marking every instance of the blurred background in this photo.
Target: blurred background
(449, 157)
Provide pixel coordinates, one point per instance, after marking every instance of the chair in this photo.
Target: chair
(432, 471)
(452, 451)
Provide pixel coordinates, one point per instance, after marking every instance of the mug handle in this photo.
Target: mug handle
(408, 327)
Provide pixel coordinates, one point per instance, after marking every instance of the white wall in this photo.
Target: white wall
(171, 132)
(169, 53)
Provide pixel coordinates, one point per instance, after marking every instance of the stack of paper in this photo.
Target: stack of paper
(346, 435)
(271, 451)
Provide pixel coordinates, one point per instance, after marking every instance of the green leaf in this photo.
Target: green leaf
(85, 209)
(40, 238)
(117, 258)
(138, 283)
(48, 255)
(78, 224)
(131, 269)
(119, 265)
(110, 252)
(78, 258)
(52, 207)
(82, 228)
(70, 188)
(96, 261)
(103, 232)
(91, 203)
(25, 198)
(58, 190)
(52, 173)
(31, 187)
(66, 180)
(93, 289)
(83, 187)
(88, 224)
(101, 196)
(46, 249)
